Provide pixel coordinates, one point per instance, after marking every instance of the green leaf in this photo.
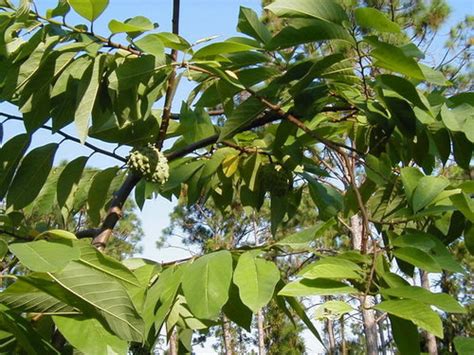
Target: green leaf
(89, 9)
(236, 311)
(10, 155)
(89, 336)
(240, 117)
(24, 297)
(299, 310)
(327, 10)
(43, 256)
(3, 249)
(303, 238)
(153, 45)
(97, 196)
(427, 188)
(442, 301)
(394, 59)
(308, 31)
(31, 176)
(417, 258)
(321, 287)
(250, 24)
(369, 17)
(464, 345)
(256, 279)
(416, 312)
(220, 48)
(465, 204)
(69, 178)
(332, 310)
(332, 268)
(87, 94)
(410, 177)
(406, 336)
(196, 124)
(57, 234)
(327, 199)
(27, 337)
(61, 9)
(93, 291)
(135, 24)
(206, 284)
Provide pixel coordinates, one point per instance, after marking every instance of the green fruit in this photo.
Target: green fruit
(150, 163)
(276, 179)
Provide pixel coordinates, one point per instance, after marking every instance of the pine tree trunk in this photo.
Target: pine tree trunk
(343, 337)
(332, 341)
(173, 343)
(261, 333)
(227, 335)
(430, 338)
(368, 315)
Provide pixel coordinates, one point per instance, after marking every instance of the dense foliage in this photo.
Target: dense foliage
(321, 100)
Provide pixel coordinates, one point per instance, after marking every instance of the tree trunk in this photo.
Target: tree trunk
(227, 335)
(431, 345)
(368, 315)
(173, 343)
(261, 333)
(332, 341)
(343, 337)
(381, 334)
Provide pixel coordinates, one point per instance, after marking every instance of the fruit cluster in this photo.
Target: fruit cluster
(150, 163)
(276, 179)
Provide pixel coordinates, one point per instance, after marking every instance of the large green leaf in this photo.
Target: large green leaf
(215, 49)
(465, 204)
(28, 339)
(406, 336)
(24, 297)
(96, 293)
(89, 9)
(418, 258)
(196, 124)
(441, 300)
(135, 24)
(321, 287)
(241, 116)
(31, 176)
(327, 10)
(464, 345)
(98, 193)
(10, 155)
(87, 95)
(427, 188)
(369, 17)
(69, 177)
(250, 24)
(303, 238)
(307, 31)
(206, 284)
(43, 256)
(393, 58)
(410, 177)
(256, 279)
(89, 336)
(332, 268)
(416, 312)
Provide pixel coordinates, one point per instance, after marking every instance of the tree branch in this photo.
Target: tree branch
(172, 82)
(69, 138)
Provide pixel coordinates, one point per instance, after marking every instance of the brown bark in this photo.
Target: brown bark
(173, 343)
(227, 335)
(343, 336)
(366, 301)
(431, 345)
(261, 333)
(332, 340)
